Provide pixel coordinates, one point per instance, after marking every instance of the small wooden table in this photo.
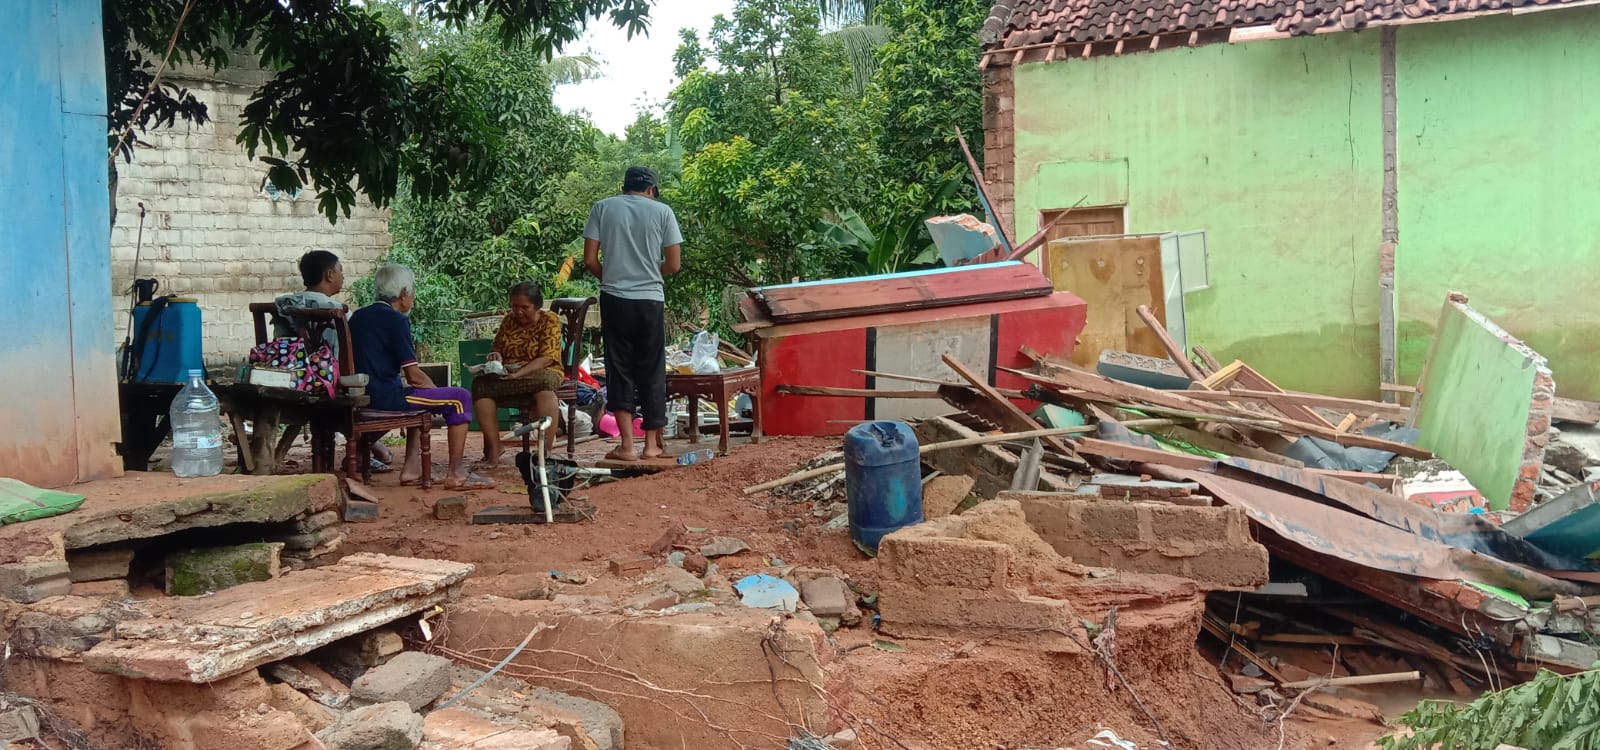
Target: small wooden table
(719, 387)
(266, 408)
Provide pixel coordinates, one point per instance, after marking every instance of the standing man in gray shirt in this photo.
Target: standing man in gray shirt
(639, 238)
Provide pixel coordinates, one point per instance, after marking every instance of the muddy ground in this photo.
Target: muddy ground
(936, 694)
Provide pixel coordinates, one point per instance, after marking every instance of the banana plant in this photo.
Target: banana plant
(896, 246)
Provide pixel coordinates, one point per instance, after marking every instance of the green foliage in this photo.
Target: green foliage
(510, 224)
(899, 245)
(436, 319)
(342, 113)
(927, 85)
(1550, 712)
(771, 147)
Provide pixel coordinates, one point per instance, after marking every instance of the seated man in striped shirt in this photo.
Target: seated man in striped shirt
(380, 334)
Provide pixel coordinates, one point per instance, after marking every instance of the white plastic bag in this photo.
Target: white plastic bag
(703, 354)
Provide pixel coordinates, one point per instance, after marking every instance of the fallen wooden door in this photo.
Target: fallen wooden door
(1115, 275)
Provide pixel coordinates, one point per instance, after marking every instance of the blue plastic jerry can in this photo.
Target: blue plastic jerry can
(883, 480)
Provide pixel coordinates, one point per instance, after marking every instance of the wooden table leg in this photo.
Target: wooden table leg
(241, 439)
(427, 453)
(263, 443)
(755, 416)
(694, 418)
(722, 421)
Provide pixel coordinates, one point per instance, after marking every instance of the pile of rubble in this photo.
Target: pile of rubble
(1444, 543)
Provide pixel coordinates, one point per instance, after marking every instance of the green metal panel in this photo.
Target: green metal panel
(1498, 183)
(1273, 148)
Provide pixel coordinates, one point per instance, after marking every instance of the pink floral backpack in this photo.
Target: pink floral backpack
(314, 370)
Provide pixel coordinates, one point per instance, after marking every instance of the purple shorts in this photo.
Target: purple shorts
(449, 402)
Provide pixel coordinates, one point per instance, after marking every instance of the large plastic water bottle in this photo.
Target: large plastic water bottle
(196, 430)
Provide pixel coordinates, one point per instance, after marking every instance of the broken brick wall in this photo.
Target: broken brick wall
(1210, 545)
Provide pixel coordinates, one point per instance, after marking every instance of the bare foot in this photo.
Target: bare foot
(411, 474)
(621, 454)
(493, 459)
(652, 452)
(469, 482)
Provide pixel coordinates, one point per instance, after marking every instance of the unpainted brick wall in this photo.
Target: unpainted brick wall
(999, 141)
(211, 232)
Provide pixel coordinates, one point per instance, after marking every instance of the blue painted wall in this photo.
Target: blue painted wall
(58, 400)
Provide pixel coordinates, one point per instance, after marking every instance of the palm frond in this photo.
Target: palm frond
(566, 69)
(860, 44)
(837, 14)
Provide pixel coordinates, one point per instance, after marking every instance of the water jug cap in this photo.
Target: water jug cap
(197, 373)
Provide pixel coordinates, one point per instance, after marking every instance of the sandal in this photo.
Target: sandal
(472, 482)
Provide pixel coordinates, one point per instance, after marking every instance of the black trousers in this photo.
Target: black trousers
(635, 335)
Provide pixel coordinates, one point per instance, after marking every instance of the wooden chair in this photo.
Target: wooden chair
(362, 426)
(573, 311)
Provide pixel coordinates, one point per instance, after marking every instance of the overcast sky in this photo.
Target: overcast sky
(635, 73)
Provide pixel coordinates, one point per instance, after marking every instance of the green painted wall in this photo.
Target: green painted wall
(1261, 145)
(1274, 148)
(1500, 182)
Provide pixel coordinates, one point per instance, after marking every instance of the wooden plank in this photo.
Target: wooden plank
(1251, 380)
(1220, 444)
(1386, 481)
(1174, 352)
(992, 282)
(1128, 393)
(823, 390)
(1579, 412)
(1205, 356)
(1125, 452)
(1365, 679)
(983, 188)
(1389, 412)
(1018, 421)
(1319, 639)
(1220, 632)
(1346, 423)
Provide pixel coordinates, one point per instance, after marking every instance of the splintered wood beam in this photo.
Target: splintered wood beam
(1174, 351)
(1016, 420)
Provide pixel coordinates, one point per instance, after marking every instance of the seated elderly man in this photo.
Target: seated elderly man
(529, 344)
(380, 333)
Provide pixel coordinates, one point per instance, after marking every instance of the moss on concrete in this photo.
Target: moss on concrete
(201, 571)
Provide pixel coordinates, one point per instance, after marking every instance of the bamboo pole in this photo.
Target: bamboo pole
(1365, 679)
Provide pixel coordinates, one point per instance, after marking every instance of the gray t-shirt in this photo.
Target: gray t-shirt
(283, 327)
(632, 230)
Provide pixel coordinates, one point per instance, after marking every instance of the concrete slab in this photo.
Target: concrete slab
(204, 639)
(142, 505)
(455, 729)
